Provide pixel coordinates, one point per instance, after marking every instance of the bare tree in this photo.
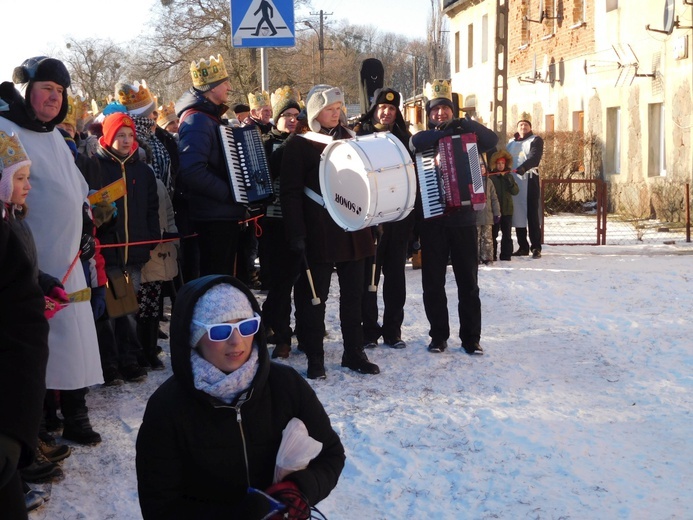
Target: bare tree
(438, 56)
(95, 65)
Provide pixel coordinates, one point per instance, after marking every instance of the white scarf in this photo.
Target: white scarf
(216, 383)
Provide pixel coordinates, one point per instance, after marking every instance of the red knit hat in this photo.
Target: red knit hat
(112, 124)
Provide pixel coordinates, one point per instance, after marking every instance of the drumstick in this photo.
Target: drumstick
(373, 287)
(315, 300)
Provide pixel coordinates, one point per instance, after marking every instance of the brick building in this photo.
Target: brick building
(585, 65)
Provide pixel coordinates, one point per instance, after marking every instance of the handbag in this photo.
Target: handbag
(121, 298)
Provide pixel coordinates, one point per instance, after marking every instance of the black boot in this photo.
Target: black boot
(356, 359)
(77, 427)
(148, 334)
(316, 366)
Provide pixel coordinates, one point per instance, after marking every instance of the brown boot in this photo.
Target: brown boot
(416, 260)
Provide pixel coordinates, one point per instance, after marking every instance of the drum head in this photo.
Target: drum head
(345, 185)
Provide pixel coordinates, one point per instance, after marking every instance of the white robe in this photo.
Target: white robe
(58, 191)
(519, 151)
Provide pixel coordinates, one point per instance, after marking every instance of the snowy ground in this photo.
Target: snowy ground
(580, 408)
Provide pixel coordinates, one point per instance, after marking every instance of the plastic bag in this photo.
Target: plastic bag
(296, 450)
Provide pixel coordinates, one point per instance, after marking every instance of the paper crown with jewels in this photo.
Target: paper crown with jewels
(12, 158)
(206, 72)
(77, 108)
(136, 97)
(283, 98)
(439, 88)
(258, 100)
(167, 114)
(11, 151)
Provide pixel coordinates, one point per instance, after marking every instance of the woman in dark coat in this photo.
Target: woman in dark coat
(213, 429)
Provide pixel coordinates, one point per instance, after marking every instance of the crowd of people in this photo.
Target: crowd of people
(106, 214)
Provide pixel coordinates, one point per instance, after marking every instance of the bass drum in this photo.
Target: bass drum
(367, 180)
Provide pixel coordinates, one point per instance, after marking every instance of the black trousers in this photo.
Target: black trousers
(218, 244)
(438, 243)
(505, 228)
(390, 259)
(311, 318)
(282, 267)
(533, 217)
(12, 503)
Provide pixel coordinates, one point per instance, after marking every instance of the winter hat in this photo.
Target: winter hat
(525, 121)
(239, 108)
(42, 68)
(318, 98)
(136, 97)
(207, 75)
(12, 158)
(220, 304)
(283, 99)
(112, 124)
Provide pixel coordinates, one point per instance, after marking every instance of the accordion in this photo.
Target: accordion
(449, 175)
(246, 164)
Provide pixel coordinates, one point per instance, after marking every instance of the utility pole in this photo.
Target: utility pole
(500, 80)
(321, 39)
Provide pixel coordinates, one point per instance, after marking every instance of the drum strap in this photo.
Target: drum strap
(314, 196)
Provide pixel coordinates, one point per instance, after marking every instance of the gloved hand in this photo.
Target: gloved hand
(166, 235)
(58, 294)
(287, 492)
(87, 247)
(10, 450)
(298, 245)
(56, 301)
(456, 125)
(98, 301)
(496, 219)
(258, 505)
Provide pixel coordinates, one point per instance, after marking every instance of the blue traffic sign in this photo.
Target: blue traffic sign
(262, 23)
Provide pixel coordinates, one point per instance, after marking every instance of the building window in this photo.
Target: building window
(611, 5)
(484, 38)
(613, 140)
(457, 51)
(578, 121)
(579, 11)
(470, 46)
(549, 123)
(656, 156)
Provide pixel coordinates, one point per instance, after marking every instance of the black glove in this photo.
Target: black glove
(10, 450)
(87, 247)
(454, 126)
(98, 301)
(298, 245)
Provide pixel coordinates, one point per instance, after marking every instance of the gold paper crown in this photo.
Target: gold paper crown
(11, 150)
(76, 109)
(440, 88)
(167, 114)
(284, 95)
(526, 116)
(205, 72)
(258, 99)
(134, 97)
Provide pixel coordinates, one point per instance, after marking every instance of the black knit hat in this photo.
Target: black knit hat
(42, 68)
(438, 101)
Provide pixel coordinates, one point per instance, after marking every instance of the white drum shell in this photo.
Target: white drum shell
(367, 180)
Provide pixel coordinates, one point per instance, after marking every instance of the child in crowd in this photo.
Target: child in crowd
(214, 428)
(14, 188)
(505, 185)
(486, 218)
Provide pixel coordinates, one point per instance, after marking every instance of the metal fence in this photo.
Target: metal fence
(576, 212)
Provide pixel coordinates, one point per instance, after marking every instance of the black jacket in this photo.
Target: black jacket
(191, 458)
(304, 218)
(203, 176)
(23, 345)
(139, 208)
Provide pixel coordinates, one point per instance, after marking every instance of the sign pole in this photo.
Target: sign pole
(264, 63)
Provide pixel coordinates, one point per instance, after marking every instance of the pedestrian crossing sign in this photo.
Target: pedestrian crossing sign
(262, 23)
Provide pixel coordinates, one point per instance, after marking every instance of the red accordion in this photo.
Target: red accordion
(449, 175)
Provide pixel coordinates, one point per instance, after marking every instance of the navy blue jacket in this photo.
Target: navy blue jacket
(202, 176)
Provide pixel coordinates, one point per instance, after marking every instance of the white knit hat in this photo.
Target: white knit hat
(220, 304)
(318, 98)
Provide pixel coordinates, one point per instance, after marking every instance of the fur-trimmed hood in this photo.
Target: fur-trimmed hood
(497, 155)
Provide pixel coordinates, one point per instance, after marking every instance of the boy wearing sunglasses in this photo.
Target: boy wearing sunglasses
(213, 429)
